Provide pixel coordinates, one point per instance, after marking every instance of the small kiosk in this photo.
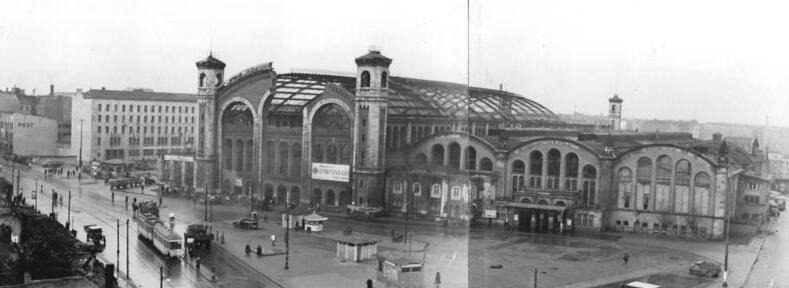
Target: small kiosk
(356, 249)
(314, 222)
(397, 270)
(296, 218)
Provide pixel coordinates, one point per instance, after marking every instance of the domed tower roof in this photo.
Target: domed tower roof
(374, 58)
(211, 63)
(615, 99)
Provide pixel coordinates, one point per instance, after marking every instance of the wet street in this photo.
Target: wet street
(92, 204)
(772, 267)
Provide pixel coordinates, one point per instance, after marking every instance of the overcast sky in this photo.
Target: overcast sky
(710, 61)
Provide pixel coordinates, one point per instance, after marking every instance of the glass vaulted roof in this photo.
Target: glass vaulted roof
(410, 97)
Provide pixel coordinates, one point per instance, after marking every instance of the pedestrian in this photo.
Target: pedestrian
(142, 189)
(160, 201)
(273, 240)
(197, 262)
(626, 257)
(247, 249)
(260, 250)
(437, 280)
(113, 197)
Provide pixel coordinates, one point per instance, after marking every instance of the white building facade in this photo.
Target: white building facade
(131, 125)
(27, 135)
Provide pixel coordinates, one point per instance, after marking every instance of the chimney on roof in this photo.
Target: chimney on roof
(51, 89)
(501, 86)
(103, 88)
(716, 138)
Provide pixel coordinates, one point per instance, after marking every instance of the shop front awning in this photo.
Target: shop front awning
(532, 206)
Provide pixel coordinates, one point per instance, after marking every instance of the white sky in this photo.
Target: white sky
(704, 60)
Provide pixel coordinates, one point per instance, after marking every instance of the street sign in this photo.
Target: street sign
(489, 213)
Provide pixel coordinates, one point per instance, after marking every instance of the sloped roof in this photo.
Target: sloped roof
(139, 95)
(211, 63)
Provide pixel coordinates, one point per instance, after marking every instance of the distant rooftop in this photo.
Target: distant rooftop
(139, 95)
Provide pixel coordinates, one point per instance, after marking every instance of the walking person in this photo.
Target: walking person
(626, 257)
(273, 240)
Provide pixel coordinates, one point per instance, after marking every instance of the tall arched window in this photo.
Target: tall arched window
(239, 155)
(571, 172)
(270, 157)
(471, 158)
(644, 170)
(701, 193)
(682, 173)
(249, 156)
(486, 164)
(365, 79)
(625, 179)
(228, 154)
(535, 169)
(345, 154)
(589, 174)
(702, 180)
(202, 79)
(331, 154)
(296, 163)
(663, 174)
(518, 171)
(218, 79)
(318, 153)
(421, 159)
(283, 158)
(454, 155)
(384, 79)
(437, 155)
(554, 168)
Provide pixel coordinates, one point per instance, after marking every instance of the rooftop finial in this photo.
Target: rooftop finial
(374, 48)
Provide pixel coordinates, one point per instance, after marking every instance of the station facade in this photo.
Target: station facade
(449, 151)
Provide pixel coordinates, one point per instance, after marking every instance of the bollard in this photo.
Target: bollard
(222, 237)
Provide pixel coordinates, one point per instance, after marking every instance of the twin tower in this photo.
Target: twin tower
(369, 120)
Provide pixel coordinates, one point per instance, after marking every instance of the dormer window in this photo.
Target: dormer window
(384, 77)
(202, 79)
(365, 79)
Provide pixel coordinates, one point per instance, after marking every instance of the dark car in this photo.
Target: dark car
(246, 223)
(705, 268)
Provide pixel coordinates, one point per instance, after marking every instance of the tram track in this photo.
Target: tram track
(100, 214)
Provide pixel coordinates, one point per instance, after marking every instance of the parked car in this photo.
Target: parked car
(246, 223)
(639, 284)
(705, 268)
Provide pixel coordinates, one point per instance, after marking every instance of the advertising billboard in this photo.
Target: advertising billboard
(330, 172)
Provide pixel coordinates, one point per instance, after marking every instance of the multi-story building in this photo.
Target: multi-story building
(131, 125)
(445, 150)
(27, 135)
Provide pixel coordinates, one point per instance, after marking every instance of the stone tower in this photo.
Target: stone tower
(210, 72)
(372, 80)
(615, 112)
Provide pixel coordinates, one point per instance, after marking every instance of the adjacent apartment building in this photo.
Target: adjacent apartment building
(131, 125)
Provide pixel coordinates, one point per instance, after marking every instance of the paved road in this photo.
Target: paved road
(91, 204)
(772, 267)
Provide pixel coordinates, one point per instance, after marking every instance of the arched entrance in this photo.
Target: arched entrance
(330, 200)
(331, 144)
(236, 157)
(294, 195)
(268, 194)
(316, 195)
(282, 194)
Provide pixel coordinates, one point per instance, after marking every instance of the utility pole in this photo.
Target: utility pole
(68, 219)
(161, 277)
(127, 248)
(118, 238)
(18, 172)
(723, 160)
(535, 277)
(287, 233)
(80, 142)
(206, 201)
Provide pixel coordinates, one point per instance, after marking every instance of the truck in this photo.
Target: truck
(197, 236)
(93, 233)
(153, 231)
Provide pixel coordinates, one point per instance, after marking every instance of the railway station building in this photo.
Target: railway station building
(442, 150)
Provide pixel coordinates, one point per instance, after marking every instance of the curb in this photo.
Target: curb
(758, 253)
(245, 264)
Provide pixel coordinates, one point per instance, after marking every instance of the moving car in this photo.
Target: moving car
(246, 223)
(705, 268)
(639, 284)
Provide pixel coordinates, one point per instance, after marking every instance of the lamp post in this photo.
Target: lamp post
(127, 248)
(68, 217)
(80, 142)
(118, 243)
(287, 233)
(723, 152)
(206, 202)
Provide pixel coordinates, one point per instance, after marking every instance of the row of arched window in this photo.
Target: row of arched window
(546, 173)
(663, 172)
(283, 159)
(238, 155)
(439, 157)
(333, 154)
(665, 186)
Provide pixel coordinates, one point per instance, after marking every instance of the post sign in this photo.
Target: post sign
(489, 213)
(330, 172)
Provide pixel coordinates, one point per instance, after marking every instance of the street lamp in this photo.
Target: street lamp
(723, 152)
(287, 232)
(80, 142)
